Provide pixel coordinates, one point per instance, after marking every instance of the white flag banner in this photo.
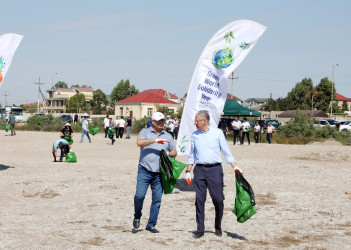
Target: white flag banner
(208, 87)
(8, 46)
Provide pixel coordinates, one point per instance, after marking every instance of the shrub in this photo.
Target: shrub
(138, 125)
(300, 126)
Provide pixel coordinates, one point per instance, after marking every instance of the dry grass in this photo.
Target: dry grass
(287, 241)
(48, 194)
(96, 241)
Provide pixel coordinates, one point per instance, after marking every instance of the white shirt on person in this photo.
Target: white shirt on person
(257, 128)
(121, 123)
(106, 122)
(245, 125)
(237, 124)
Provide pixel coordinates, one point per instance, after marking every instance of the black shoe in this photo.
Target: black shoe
(152, 230)
(113, 141)
(198, 235)
(218, 232)
(136, 223)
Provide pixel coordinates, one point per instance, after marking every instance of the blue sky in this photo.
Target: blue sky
(156, 44)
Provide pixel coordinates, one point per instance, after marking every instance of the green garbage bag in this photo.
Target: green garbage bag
(93, 131)
(244, 206)
(170, 172)
(249, 130)
(7, 127)
(111, 132)
(71, 157)
(69, 139)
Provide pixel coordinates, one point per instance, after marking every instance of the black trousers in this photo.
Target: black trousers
(237, 133)
(120, 132)
(211, 178)
(257, 136)
(106, 130)
(243, 137)
(269, 137)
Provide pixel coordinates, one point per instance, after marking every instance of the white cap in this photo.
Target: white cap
(67, 124)
(157, 116)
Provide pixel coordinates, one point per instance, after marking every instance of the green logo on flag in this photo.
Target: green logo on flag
(244, 45)
(223, 58)
(228, 37)
(2, 63)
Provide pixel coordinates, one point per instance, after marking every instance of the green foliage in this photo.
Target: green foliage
(43, 123)
(72, 103)
(78, 86)
(165, 111)
(123, 90)
(323, 96)
(99, 101)
(345, 106)
(60, 84)
(300, 126)
(179, 112)
(138, 125)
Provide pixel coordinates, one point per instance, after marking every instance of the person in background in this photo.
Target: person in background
(60, 144)
(121, 127)
(148, 124)
(176, 128)
(75, 118)
(205, 151)
(111, 127)
(223, 126)
(85, 129)
(171, 126)
(245, 126)
(236, 125)
(270, 130)
(116, 126)
(67, 132)
(129, 127)
(257, 129)
(12, 121)
(151, 141)
(106, 124)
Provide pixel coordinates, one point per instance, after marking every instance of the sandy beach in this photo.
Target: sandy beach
(302, 194)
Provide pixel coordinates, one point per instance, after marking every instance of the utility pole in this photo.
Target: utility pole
(38, 108)
(231, 92)
(6, 95)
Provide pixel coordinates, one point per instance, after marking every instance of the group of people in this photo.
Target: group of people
(171, 125)
(208, 172)
(117, 127)
(62, 143)
(241, 129)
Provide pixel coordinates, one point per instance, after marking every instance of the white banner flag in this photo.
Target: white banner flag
(208, 87)
(8, 46)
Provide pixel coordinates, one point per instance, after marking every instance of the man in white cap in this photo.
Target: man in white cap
(151, 141)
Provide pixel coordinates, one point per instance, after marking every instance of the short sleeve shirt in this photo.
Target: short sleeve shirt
(85, 125)
(150, 155)
(57, 143)
(12, 119)
(237, 124)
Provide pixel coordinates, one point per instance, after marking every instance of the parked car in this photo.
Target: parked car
(264, 123)
(345, 126)
(87, 117)
(66, 118)
(326, 122)
(39, 114)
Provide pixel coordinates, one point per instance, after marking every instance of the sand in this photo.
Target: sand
(302, 194)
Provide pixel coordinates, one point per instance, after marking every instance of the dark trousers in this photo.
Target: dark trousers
(120, 132)
(13, 125)
(116, 132)
(269, 137)
(61, 155)
(237, 134)
(106, 130)
(211, 178)
(257, 136)
(176, 129)
(243, 137)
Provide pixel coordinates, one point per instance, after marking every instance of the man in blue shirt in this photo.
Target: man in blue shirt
(205, 151)
(85, 130)
(12, 121)
(151, 141)
(60, 144)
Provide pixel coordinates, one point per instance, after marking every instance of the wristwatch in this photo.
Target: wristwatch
(187, 171)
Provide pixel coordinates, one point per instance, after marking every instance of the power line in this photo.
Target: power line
(39, 91)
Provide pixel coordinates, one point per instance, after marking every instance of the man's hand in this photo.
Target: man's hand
(188, 179)
(161, 141)
(237, 169)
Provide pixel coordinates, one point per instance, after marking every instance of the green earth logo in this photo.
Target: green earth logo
(223, 58)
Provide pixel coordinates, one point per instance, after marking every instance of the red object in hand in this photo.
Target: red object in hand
(161, 141)
(188, 182)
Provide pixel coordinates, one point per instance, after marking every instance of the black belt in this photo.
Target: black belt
(208, 165)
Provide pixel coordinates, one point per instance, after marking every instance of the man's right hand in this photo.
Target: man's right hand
(161, 141)
(188, 179)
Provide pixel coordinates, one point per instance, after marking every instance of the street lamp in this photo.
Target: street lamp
(52, 80)
(77, 96)
(332, 94)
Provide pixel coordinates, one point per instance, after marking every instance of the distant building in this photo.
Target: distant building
(340, 99)
(229, 96)
(57, 98)
(146, 103)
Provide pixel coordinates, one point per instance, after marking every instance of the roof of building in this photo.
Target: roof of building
(316, 113)
(150, 96)
(339, 97)
(229, 96)
(72, 90)
(257, 99)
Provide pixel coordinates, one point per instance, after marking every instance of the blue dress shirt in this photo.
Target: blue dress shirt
(206, 147)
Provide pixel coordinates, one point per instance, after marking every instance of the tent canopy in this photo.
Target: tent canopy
(233, 108)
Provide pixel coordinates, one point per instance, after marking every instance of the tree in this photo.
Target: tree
(323, 96)
(78, 86)
(72, 103)
(345, 106)
(123, 90)
(300, 96)
(60, 84)
(99, 101)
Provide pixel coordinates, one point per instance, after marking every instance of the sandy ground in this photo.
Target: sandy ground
(301, 195)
